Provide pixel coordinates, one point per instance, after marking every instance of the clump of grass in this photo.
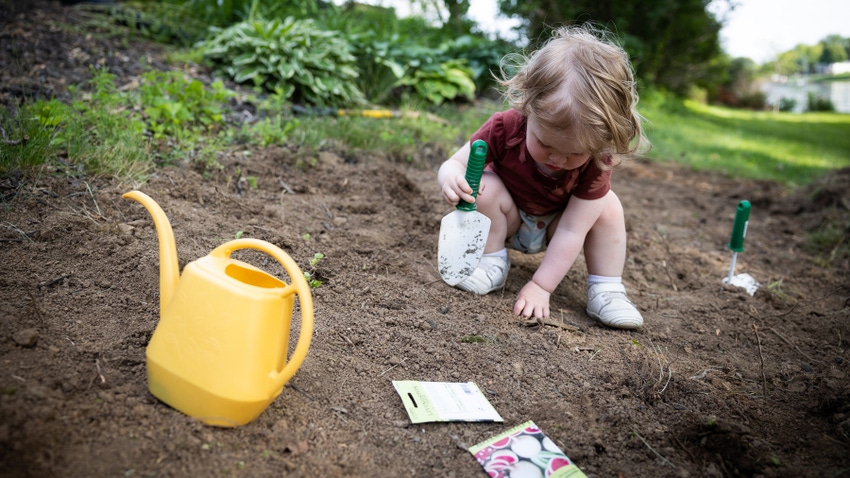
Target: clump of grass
(828, 207)
(831, 243)
(95, 133)
(126, 132)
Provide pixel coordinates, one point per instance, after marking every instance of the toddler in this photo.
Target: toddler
(546, 185)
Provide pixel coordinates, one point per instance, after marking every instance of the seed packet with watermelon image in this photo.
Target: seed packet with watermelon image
(524, 452)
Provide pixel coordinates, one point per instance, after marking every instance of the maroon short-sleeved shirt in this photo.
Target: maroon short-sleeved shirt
(534, 191)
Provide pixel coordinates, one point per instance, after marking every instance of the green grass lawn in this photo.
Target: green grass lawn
(786, 147)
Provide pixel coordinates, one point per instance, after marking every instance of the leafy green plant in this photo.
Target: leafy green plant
(438, 82)
(292, 56)
(181, 107)
(381, 64)
(273, 130)
(483, 56)
(227, 12)
(815, 102)
(309, 275)
(787, 104)
(105, 130)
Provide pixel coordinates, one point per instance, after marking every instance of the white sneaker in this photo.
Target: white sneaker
(607, 303)
(490, 275)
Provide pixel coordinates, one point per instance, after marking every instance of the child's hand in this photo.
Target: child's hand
(532, 300)
(456, 188)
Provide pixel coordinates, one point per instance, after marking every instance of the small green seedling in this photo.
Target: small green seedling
(313, 283)
(776, 288)
(239, 234)
(473, 339)
(308, 275)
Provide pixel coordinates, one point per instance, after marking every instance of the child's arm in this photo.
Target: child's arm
(563, 249)
(452, 177)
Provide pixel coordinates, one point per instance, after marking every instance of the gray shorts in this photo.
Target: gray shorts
(531, 236)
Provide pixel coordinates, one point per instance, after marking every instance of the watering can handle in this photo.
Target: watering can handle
(302, 289)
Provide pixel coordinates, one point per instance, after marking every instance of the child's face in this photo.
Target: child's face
(554, 151)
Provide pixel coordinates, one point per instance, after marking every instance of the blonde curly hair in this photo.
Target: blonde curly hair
(582, 82)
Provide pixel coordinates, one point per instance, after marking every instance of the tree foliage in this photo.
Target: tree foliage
(672, 43)
(809, 59)
(835, 49)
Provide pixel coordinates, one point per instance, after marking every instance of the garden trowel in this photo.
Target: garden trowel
(463, 232)
(736, 244)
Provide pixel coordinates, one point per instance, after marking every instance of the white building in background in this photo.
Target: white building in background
(839, 68)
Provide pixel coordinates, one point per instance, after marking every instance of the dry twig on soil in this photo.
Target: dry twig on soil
(394, 366)
(13, 142)
(789, 343)
(548, 321)
(659, 455)
(23, 234)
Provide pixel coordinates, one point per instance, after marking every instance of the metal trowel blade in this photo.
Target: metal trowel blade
(744, 281)
(463, 235)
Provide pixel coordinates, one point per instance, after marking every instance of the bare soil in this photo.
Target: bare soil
(718, 383)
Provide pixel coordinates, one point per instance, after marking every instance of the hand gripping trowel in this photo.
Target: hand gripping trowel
(463, 232)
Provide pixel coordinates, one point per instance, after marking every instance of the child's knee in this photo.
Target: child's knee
(495, 193)
(613, 211)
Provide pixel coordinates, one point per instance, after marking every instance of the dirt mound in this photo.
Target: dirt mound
(718, 382)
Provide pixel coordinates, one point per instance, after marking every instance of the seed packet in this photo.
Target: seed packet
(445, 402)
(524, 452)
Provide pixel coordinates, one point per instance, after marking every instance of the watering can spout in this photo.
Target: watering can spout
(169, 272)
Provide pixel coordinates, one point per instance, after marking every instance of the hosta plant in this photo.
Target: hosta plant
(438, 82)
(483, 55)
(302, 61)
(430, 74)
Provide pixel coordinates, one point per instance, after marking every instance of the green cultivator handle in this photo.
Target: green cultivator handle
(474, 169)
(739, 229)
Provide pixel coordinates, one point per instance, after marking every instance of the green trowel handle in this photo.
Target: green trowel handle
(474, 168)
(739, 229)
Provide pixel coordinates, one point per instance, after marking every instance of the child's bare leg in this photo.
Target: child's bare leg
(496, 203)
(605, 244)
(605, 254)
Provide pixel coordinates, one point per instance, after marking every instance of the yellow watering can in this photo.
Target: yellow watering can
(219, 352)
